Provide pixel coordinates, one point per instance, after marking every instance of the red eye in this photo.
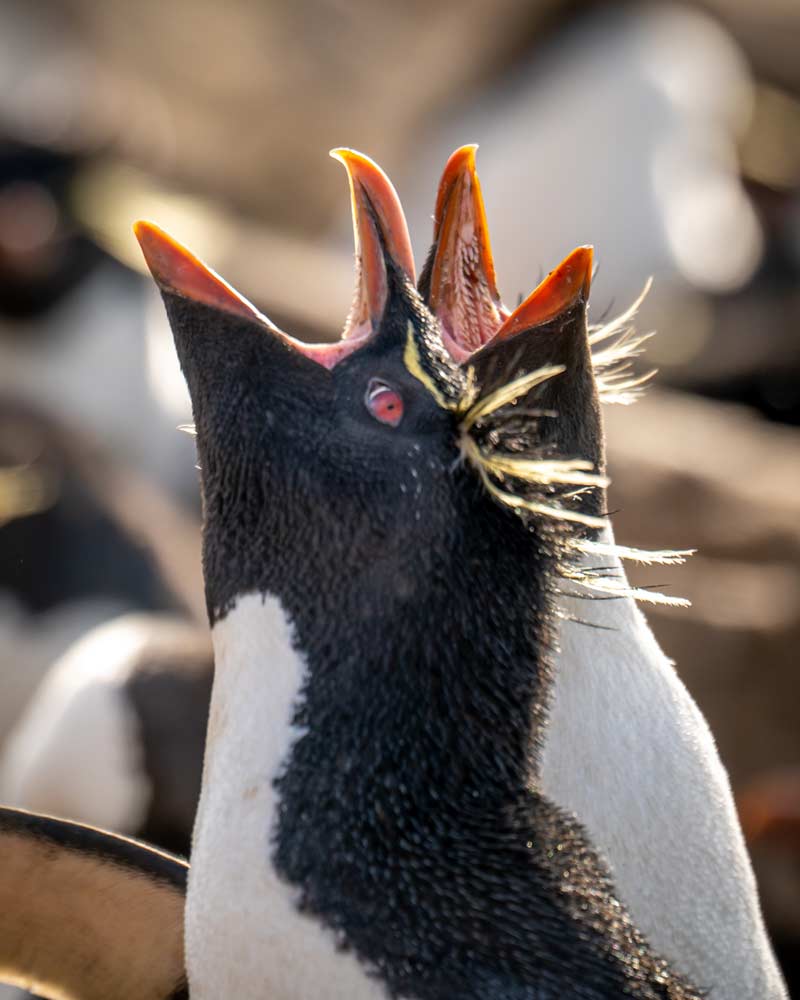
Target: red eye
(384, 403)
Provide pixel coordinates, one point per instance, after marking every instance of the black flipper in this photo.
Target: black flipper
(87, 914)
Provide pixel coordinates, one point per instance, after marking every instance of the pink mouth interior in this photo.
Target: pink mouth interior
(469, 314)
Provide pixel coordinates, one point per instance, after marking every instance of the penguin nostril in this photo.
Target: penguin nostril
(384, 403)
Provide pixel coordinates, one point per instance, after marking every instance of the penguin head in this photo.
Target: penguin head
(549, 327)
(365, 462)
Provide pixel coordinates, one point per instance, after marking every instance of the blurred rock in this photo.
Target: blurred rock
(240, 100)
(695, 473)
(88, 525)
(621, 133)
(43, 254)
(769, 32)
(770, 810)
(85, 363)
(82, 538)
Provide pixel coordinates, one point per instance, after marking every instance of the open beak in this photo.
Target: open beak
(381, 240)
(463, 289)
(379, 231)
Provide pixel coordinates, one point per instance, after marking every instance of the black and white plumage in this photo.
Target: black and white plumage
(382, 629)
(565, 423)
(626, 748)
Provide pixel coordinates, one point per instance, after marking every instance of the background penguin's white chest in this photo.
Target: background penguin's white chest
(244, 935)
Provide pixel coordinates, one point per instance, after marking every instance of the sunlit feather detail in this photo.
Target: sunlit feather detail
(535, 473)
(413, 362)
(507, 394)
(663, 557)
(573, 472)
(621, 322)
(580, 492)
(496, 467)
(470, 391)
(615, 587)
(617, 382)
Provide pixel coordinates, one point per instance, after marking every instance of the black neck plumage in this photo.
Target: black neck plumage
(409, 822)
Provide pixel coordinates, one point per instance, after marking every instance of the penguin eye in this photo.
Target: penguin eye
(384, 403)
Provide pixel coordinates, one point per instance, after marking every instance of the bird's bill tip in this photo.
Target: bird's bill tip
(176, 269)
(460, 164)
(381, 240)
(564, 287)
(375, 203)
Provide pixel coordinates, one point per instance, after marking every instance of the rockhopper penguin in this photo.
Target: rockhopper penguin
(465, 298)
(384, 533)
(626, 748)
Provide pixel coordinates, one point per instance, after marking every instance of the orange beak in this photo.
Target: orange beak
(379, 230)
(568, 284)
(381, 235)
(463, 288)
(177, 270)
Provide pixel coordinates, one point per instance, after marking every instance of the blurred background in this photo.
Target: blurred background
(666, 134)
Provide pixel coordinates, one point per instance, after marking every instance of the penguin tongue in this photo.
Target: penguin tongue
(463, 289)
(381, 235)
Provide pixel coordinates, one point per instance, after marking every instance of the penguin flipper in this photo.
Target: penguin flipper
(88, 915)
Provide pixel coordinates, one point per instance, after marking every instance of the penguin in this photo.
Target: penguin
(114, 736)
(561, 287)
(383, 538)
(626, 748)
(88, 915)
(87, 730)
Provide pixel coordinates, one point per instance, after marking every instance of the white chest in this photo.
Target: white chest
(244, 935)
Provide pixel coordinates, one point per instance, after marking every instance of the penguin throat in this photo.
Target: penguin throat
(447, 689)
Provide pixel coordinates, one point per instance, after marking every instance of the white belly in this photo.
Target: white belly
(244, 936)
